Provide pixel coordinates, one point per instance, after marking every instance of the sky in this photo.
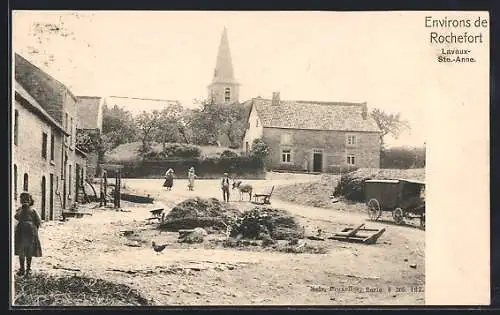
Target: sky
(374, 57)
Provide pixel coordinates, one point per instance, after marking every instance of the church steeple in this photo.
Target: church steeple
(224, 87)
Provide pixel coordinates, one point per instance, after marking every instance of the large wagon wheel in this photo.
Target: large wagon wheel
(398, 216)
(374, 211)
(422, 221)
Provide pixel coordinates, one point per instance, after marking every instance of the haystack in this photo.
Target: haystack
(263, 222)
(199, 212)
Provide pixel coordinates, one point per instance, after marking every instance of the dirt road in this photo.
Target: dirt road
(389, 272)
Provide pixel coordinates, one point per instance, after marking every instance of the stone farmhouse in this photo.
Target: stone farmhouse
(313, 136)
(45, 159)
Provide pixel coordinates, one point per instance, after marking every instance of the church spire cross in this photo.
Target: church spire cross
(223, 71)
(224, 87)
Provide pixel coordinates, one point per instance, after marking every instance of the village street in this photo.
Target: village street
(209, 274)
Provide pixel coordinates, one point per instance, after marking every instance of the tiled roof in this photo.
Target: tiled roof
(89, 112)
(341, 116)
(35, 107)
(48, 91)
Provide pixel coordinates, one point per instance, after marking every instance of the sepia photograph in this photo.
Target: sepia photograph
(223, 158)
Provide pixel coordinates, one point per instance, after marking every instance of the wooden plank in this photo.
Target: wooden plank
(76, 212)
(372, 239)
(357, 238)
(350, 232)
(136, 198)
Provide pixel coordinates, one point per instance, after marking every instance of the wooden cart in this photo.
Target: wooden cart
(263, 198)
(404, 198)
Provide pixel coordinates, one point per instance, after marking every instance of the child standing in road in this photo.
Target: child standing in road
(191, 178)
(26, 240)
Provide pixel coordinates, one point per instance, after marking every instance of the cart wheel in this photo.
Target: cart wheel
(374, 211)
(398, 216)
(422, 221)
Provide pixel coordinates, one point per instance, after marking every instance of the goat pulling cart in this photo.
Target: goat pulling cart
(404, 198)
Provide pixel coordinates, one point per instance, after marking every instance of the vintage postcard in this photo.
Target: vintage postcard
(250, 158)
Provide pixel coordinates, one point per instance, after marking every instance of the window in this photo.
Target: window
(256, 123)
(247, 147)
(351, 140)
(44, 145)
(227, 94)
(16, 125)
(52, 149)
(15, 181)
(286, 138)
(286, 155)
(350, 159)
(25, 182)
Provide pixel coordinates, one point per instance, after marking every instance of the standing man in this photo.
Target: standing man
(225, 187)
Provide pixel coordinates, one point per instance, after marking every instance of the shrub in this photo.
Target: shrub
(248, 167)
(228, 154)
(153, 155)
(402, 158)
(260, 149)
(181, 150)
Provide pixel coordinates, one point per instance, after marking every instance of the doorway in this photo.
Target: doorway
(77, 181)
(64, 181)
(43, 198)
(317, 161)
(51, 197)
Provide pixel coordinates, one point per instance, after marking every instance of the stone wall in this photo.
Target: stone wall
(27, 161)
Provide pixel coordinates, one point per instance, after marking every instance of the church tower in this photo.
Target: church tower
(224, 89)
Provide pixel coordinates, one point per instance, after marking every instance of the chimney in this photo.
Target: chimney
(276, 98)
(364, 110)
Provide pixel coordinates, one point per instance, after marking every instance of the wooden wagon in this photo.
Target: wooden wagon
(404, 198)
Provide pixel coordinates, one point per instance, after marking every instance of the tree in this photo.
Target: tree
(201, 127)
(403, 157)
(118, 125)
(184, 126)
(389, 124)
(233, 122)
(87, 140)
(214, 121)
(148, 122)
(170, 125)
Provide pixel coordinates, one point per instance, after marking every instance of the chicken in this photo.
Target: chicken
(158, 248)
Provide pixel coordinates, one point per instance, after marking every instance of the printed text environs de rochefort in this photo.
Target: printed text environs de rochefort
(457, 37)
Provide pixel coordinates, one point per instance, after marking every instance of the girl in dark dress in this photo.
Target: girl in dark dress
(26, 240)
(169, 179)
